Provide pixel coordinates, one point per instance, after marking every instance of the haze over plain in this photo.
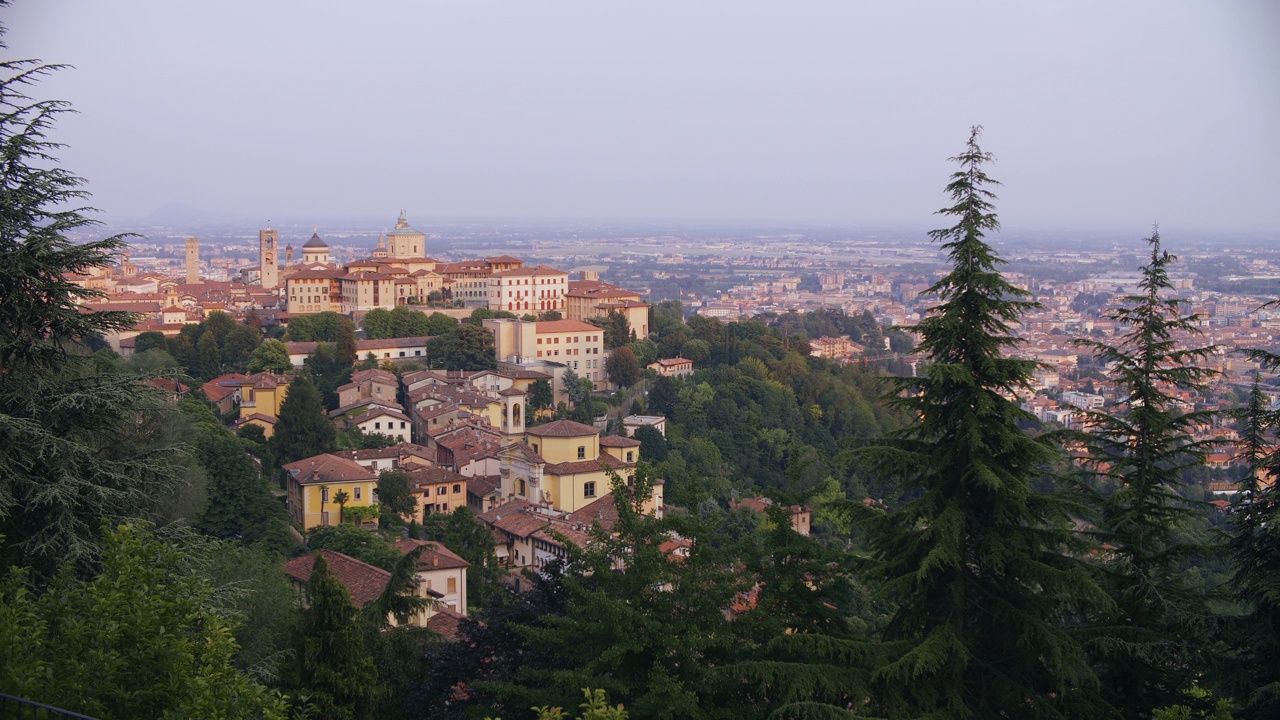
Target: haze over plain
(1101, 114)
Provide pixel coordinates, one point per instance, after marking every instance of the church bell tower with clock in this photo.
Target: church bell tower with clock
(270, 269)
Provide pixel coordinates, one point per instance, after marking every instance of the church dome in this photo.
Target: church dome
(315, 243)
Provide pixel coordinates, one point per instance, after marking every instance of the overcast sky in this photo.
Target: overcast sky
(1101, 114)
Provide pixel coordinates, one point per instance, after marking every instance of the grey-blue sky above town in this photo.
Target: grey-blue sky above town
(1101, 114)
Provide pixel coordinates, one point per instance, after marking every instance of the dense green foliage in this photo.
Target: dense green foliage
(138, 639)
(401, 322)
(1253, 675)
(466, 346)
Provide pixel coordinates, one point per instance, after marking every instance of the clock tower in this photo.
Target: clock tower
(268, 240)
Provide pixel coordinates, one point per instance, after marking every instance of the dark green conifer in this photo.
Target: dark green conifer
(303, 429)
(332, 666)
(1155, 643)
(978, 563)
(1253, 679)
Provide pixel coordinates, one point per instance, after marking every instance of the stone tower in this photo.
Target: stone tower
(268, 242)
(193, 261)
(288, 254)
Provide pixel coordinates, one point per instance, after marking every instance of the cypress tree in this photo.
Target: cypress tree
(1155, 643)
(332, 664)
(303, 429)
(978, 563)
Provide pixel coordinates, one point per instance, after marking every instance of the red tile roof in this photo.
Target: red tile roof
(435, 556)
(559, 326)
(562, 429)
(364, 582)
(603, 511)
(586, 466)
(447, 624)
(327, 468)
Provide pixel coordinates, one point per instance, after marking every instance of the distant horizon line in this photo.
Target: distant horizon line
(374, 223)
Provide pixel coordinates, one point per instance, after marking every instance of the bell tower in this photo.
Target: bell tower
(268, 242)
(193, 261)
(513, 401)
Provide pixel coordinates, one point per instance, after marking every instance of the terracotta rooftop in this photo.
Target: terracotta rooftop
(222, 386)
(435, 556)
(529, 271)
(603, 511)
(617, 441)
(561, 326)
(379, 411)
(375, 374)
(364, 582)
(586, 466)
(447, 624)
(597, 289)
(435, 476)
(483, 485)
(562, 429)
(521, 524)
(327, 468)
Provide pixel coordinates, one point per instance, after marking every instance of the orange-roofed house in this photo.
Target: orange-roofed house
(440, 571)
(566, 465)
(672, 367)
(364, 583)
(571, 343)
(588, 299)
(315, 481)
(261, 396)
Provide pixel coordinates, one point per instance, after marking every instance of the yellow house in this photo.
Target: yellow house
(588, 299)
(313, 484)
(561, 464)
(261, 395)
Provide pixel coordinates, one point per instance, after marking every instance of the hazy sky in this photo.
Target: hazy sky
(1101, 114)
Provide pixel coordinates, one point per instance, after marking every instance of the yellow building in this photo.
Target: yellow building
(436, 490)
(314, 291)
(588, 299)
(567, 465)
(261, 396)
(571, 343)
(313, 484)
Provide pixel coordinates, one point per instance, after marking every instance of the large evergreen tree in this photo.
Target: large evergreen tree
(76, 445)
(332, 665)
(977, 562)
(1155, 643)
(1254, 676)
(303, 428)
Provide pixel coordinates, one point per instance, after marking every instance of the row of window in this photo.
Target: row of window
(541, 281)
(324, 493)
(567, 339)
